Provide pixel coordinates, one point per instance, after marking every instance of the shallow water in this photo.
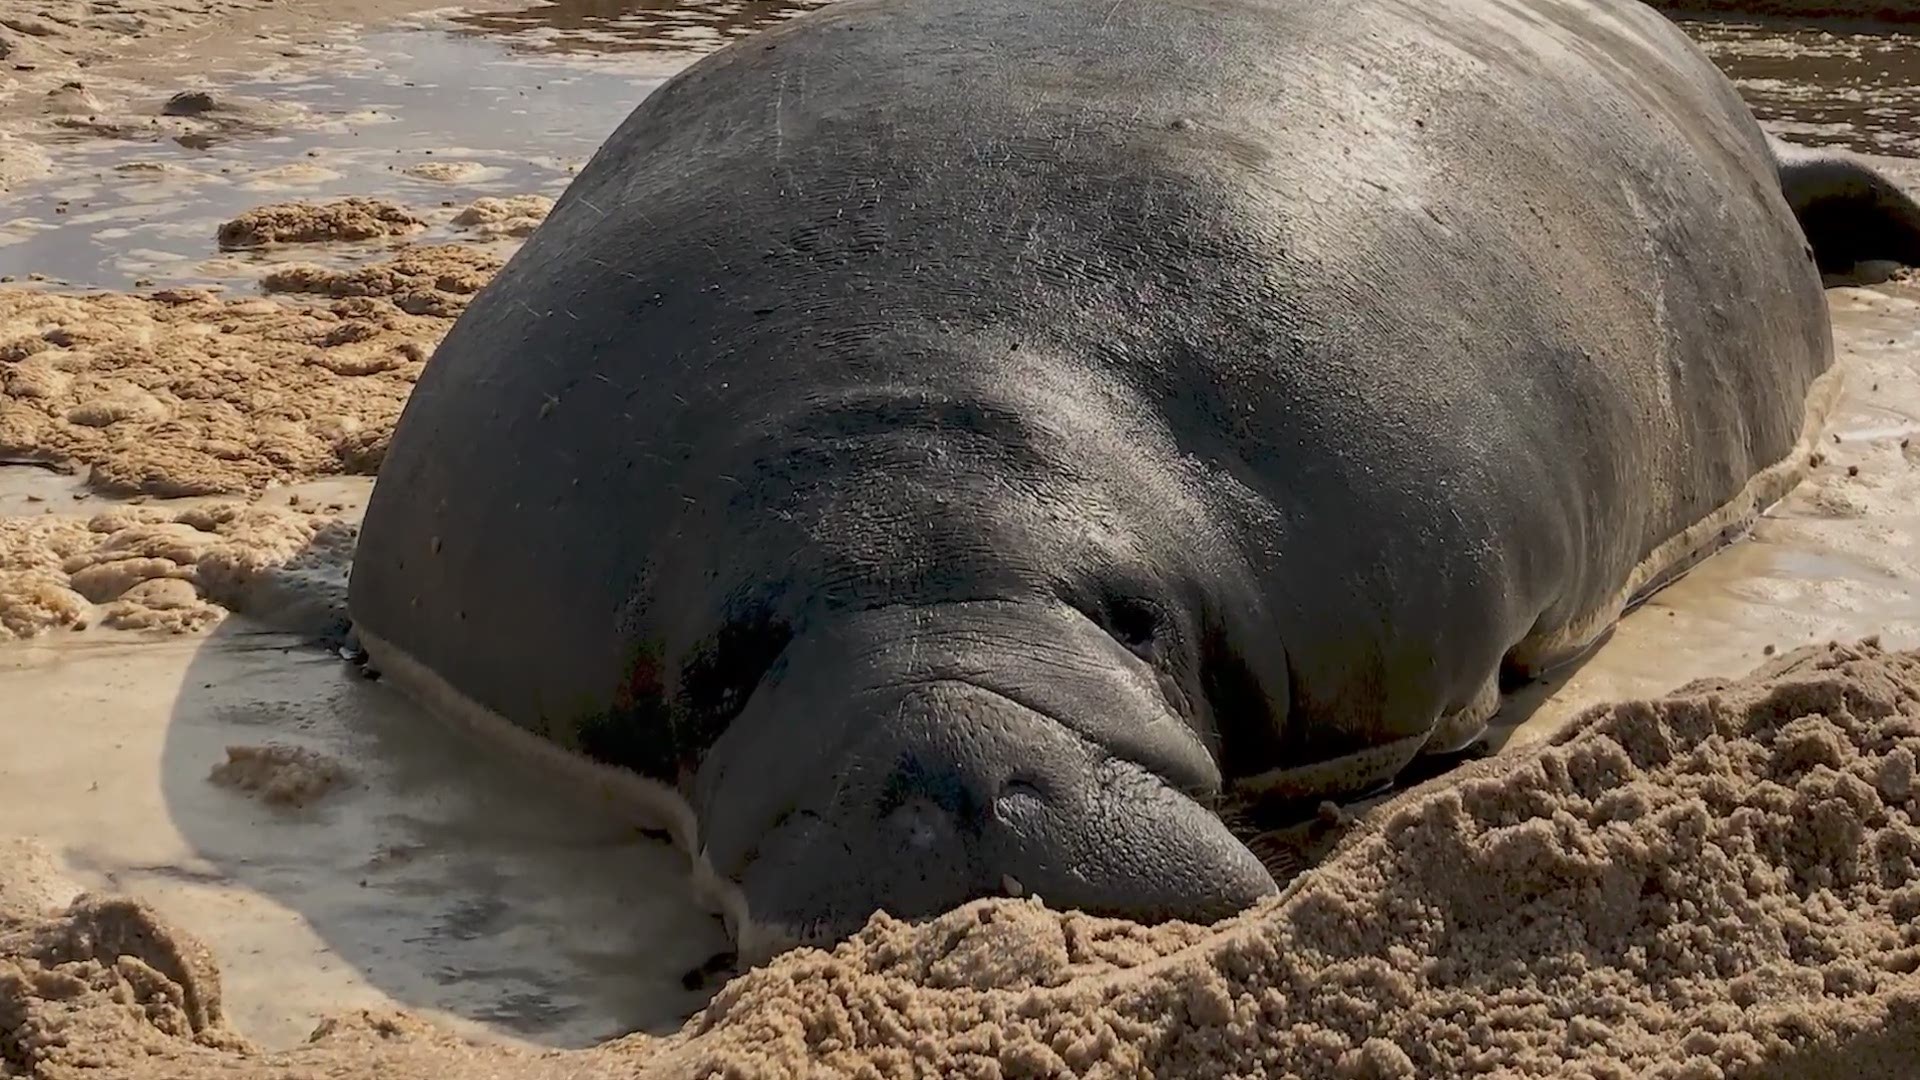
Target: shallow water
(614, 27)
(1838, 84)
(126, 211)
(523, 96)
(449, 881)
(444, 876)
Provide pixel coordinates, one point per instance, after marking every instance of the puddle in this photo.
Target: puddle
(30, 489)
(441, 875)
(1868, 423)
(617, 27)
(125, 212)
(432, 115)
(1836, 84)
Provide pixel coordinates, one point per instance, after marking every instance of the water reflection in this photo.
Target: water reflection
(1856, 85)
(626, 26)
(1849, 85)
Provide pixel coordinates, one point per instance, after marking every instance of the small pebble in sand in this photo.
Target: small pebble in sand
(278, 774)
(1853, 470)
(188, 103)
(72, 99)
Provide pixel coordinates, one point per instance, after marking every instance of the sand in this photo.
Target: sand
(135, 69)
(183, 392)
(142, 568)
(280, 775)
(514, 216)
(1717, 883)
(311, 223)
(48, 49)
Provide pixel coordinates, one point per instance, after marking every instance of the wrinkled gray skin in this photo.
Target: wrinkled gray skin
(954, 441)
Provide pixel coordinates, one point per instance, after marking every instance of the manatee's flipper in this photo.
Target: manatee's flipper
(1849, 210)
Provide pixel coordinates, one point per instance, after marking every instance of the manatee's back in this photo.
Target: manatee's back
(1459, 278)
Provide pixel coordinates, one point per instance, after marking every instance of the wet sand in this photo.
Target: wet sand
(1720, 883)
(1835, 560)
(427, 873)
(335, 851)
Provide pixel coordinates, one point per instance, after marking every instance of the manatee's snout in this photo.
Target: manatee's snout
(919, 797)
(964, 793)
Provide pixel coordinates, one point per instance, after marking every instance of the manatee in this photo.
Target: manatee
(1856, 213)
(946, 449)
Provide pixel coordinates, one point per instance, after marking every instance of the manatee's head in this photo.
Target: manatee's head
(967, 624)
(914, 757)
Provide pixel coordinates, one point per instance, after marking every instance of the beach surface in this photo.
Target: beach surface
(232, 231)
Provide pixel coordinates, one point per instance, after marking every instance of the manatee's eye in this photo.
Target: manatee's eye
(1022, 787)
(1134, 623)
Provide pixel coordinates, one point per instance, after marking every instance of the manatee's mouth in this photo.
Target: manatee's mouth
(923, 795)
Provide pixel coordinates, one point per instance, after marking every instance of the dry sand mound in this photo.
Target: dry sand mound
(183, 393)
(514, 216)
(176, 570)
(280, 775)
(429, 280)
(318, 223)
(1721, 883)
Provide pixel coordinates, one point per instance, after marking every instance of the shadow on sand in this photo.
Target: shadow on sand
(449, 876)
(446, 875)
